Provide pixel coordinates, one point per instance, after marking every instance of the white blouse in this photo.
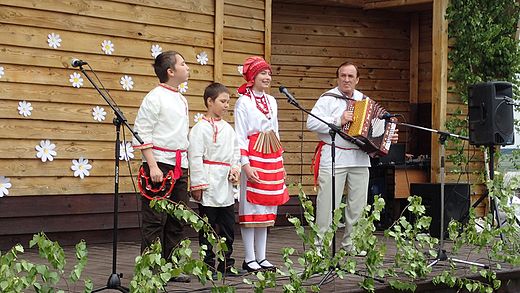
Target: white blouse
(250, 120)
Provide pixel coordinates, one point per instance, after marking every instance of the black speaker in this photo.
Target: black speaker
(456, 203)
(490, 108)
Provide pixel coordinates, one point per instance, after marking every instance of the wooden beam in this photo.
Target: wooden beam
(219, 41)
(394, 3)
(414, 58)
(267, 33)
(439, 80)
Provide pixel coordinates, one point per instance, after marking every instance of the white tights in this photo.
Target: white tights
(255, 242)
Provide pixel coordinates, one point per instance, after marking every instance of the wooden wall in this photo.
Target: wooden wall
(309, 42)
(227, 30)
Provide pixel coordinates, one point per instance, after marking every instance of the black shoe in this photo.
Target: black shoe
(245, 266)
(182, 278)
(266, 268)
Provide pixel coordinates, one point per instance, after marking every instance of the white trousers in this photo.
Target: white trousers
(355, 179)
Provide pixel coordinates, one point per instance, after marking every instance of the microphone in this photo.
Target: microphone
(388, 116)
(77, 63)
(290, 97)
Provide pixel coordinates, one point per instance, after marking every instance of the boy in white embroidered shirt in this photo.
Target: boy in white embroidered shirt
(162, 122)
(214, 169)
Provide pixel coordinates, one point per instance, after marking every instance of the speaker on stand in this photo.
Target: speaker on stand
(490, 109)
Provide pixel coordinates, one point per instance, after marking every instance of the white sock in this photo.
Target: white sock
(248, 237)
(260, 246)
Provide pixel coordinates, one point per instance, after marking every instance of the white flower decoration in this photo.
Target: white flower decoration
(54, 40)
(76, 80)
(156, 50)
(98, 113)
(202, 58)
(5, 184)
(46, 150)
(1, 71)
(81, 167)
(197, 117)
(107, 46)
(127, 82)
(126, 151)
(183, 87)
(240, 68)
(24, 108)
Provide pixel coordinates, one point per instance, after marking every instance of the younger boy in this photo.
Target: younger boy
(214, 169)
(162, 123)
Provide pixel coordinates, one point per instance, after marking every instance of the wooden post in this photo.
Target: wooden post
(414, 76)
(439, 80)
(267, 32)
(219, 41)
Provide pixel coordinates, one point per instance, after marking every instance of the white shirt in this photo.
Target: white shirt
(162, 121)
(330, 110)
(249, 120)
(216, 143)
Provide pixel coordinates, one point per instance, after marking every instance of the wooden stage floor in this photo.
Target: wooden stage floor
(99, 266)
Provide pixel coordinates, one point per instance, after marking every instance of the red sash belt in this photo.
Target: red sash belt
(316, 159)
(177, 171)
(208, 162)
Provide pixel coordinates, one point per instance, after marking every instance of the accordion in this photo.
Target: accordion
(369, 127)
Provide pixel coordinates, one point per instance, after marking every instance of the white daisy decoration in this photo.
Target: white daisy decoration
(46, 150)
(76, 80)
(81, 167)
(5, 184)
(107, 46)
(156, 50)
(127, 82)
(126, 151)
(98, 113)
(54, 40)
(1, 71)
(202, 58)
(183, 87)
(240, 69)
(24, 108)
(197, 117)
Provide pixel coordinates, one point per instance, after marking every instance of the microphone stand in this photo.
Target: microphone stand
(114, 281)
(333, 130)
(443, 135)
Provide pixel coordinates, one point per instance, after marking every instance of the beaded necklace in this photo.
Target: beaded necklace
(262, 104)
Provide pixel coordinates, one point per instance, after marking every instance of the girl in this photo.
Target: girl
(262, 185)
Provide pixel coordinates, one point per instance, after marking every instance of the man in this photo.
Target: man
(351, 162)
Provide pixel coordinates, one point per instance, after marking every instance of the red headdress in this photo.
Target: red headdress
(252, 66)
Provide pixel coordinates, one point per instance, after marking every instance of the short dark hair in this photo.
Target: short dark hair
(213, 90)
(345, 64)
(164, 61)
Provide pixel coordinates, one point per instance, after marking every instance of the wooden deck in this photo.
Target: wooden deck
(99, 266)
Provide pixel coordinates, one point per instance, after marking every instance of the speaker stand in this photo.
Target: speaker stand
(441, 253)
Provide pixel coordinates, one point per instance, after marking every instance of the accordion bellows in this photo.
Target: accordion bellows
(369, 127)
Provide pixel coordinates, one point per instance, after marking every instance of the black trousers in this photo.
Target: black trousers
(163, 226)
(222, 219)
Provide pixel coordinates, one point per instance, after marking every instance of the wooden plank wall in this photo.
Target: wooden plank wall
(39, 74)
(309, 42)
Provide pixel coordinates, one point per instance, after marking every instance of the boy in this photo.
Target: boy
(162, 123)
(214, 169)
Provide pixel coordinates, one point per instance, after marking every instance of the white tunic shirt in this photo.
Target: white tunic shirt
(330, 110)
(162, 123)
(213, 153)
(249, 120)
